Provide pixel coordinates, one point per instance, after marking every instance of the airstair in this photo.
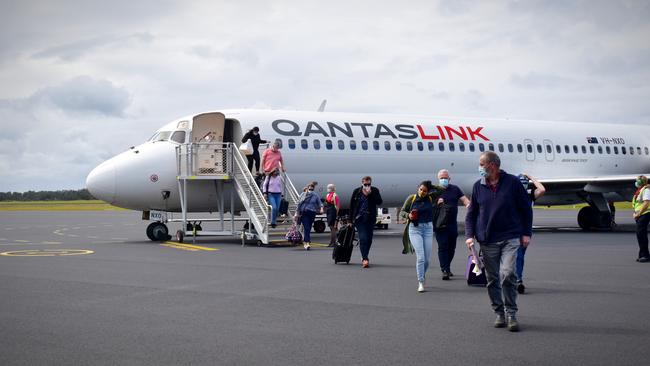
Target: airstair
(224, 164)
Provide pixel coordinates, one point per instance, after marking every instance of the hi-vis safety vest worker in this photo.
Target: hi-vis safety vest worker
(637, 202)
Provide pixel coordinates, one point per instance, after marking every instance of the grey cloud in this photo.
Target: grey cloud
(75, 50)
(535, 80)
(456, 7)
(474, 99)
(84, 94)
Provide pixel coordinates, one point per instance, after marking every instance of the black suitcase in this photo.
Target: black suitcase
(345, 243)
(284, 207)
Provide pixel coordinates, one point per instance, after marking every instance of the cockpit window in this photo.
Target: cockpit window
(178, 136)
(161, 136)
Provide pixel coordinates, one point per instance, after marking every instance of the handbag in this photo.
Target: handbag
(246, 148)
(294, 236)
(441, 216)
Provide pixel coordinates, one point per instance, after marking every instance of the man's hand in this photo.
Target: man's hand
(525, 240)
(441, 201)
(469, 243)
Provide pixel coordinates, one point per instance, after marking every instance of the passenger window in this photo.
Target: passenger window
(430, 146)
(303, 144)
(575, 149)
(500, 147)
(510, 148)
(631, 151)
(623, 150)
(481, 147)
(491, 146)
(178, 136)
(592, 150)
(615, 150)
(316, 144)
(638, 150)
(600, 149)
(584, 149)
(608, 149)
(387, 145)
(461, 146)
(375, 145)
(549, 149)
(567, 149)
(471, 146)
(441, 146)
(328, 144)
(451, 146)
(558, 149)
(353, 145)
(409, 146)
(292, 144)
(529, 148)
(341, 145)
(539, 149)
(398, 145)
(420, 146)
(520, 148)
(646, 150)
(364, 145)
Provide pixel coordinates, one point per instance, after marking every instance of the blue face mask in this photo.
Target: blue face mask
(637, 184)
(482, 171)
(443, 182)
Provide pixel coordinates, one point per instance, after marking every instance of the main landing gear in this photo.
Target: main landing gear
(598, 215)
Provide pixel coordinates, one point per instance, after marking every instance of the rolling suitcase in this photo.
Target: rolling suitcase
(472, 278)
(342, 252)
(284, 207)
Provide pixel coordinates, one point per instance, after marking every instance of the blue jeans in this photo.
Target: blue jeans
(499, 259)
(307, 220)
(365, 230)
(274, 201)
(421, 237)
(521, 252)
(446, 239)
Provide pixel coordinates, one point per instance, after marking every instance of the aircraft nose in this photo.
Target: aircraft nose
(101, 182)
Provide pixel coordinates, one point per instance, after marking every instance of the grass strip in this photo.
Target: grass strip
(80, 205)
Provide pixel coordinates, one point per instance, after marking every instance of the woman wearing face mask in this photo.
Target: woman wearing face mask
(332, 206)
(418, 208)
(640, 203)
(256, 140)
(446, 237)
(309, 204)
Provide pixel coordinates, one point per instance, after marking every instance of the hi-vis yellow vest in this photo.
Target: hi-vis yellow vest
(638, 204)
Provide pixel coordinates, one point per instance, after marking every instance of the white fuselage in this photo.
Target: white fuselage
(402, 150)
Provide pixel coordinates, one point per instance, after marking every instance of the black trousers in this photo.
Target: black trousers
(255, 157)
(642, 234)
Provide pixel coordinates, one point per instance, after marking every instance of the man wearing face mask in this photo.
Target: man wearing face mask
(256, 140)
(500, 218)
(640, 204)
(363, 213)
(446, 237)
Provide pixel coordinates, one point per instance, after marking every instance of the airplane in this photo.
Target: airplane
(577, 162)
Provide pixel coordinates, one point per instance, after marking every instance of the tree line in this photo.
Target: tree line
(64, 195)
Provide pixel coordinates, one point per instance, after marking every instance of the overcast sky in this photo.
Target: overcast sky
(81, 81)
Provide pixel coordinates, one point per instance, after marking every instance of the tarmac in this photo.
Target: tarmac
(88, 288)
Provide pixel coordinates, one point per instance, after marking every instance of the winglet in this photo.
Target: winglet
(322, 105)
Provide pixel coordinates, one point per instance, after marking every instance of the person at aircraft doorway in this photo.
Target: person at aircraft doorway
(363, 213)
(640, 203)
(273, 158)
(256, 140)
(534, 192)
(500, 219)
(447, 236)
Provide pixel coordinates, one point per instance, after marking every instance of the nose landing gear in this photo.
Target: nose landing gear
(157, 231)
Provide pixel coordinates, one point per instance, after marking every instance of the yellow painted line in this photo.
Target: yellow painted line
(21, 241)
(46, 253)
(51, 242)
(176, 246)
(190, 246)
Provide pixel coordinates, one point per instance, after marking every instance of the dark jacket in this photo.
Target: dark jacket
(374, 200)
(496, 216)
(256, 140)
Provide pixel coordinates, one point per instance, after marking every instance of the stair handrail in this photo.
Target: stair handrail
(290, 193)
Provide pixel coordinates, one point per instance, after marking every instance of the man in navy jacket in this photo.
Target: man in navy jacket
(500, 217)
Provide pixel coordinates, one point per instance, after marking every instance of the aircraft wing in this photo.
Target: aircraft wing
(570, 190)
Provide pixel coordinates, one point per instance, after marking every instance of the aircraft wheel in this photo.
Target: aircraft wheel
(157, 231)
(319, 226)
(587, 217)
(179, 236)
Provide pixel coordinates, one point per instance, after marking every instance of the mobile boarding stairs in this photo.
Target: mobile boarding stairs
(224, 164)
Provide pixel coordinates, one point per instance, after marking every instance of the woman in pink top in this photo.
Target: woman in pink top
(332, 210)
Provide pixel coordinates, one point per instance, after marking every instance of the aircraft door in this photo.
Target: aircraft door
(529, 146)
(208, 127)
(549, 153)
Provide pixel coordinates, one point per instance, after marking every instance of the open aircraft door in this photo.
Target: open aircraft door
(208, 129)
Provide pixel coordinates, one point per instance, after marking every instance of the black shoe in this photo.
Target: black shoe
(274, 226)
(445, 276)
(500, 321)
(643, 259)
(521, 288)
(513, 324)
(450, 274)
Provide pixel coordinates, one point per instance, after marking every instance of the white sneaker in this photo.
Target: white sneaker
(420, 286)
(306, 246)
